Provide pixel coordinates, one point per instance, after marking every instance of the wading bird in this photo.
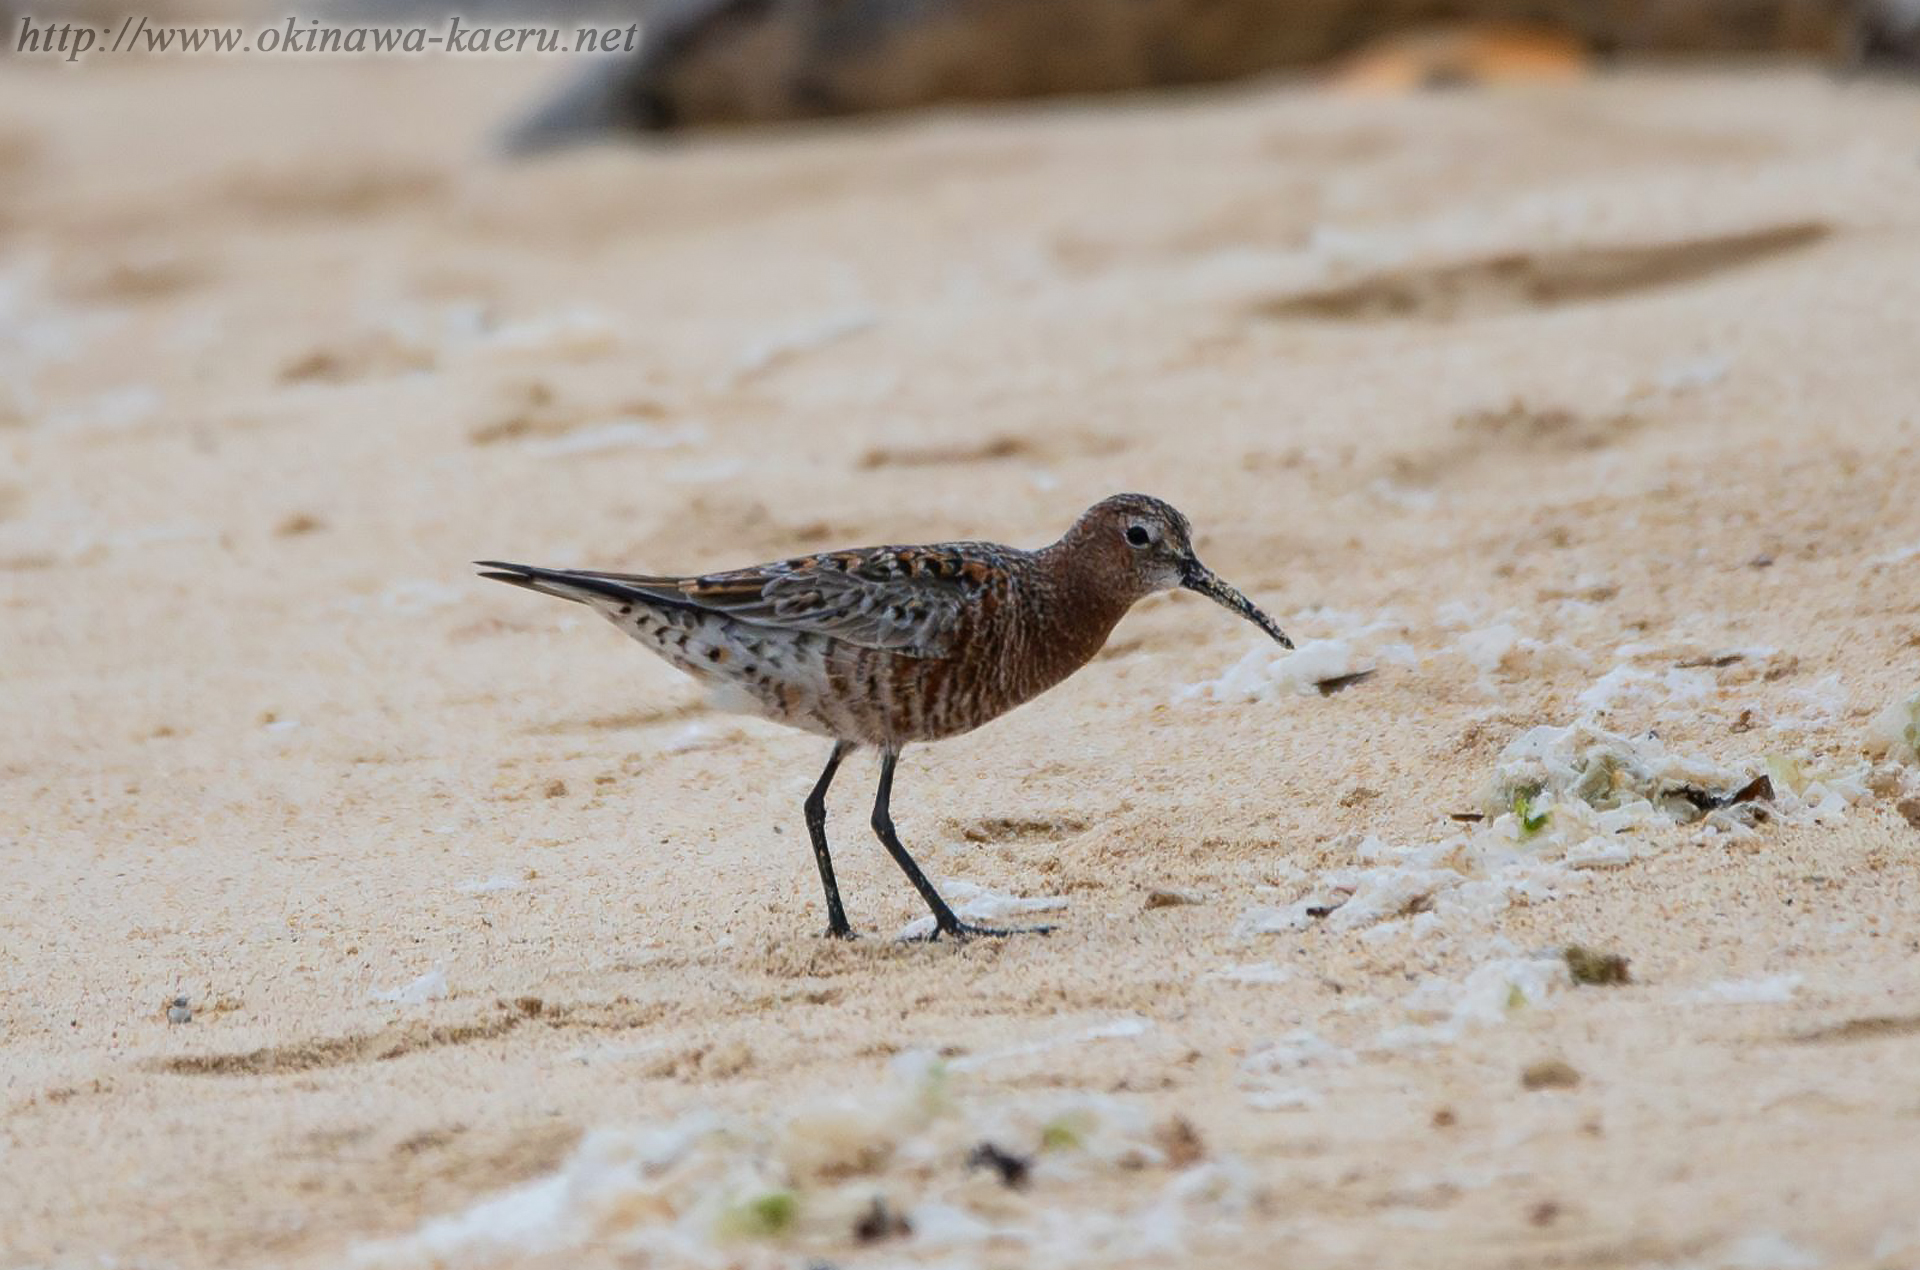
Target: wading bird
(888, 646)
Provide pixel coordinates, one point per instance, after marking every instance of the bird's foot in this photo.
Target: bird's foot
(840, 930)
(959, 930)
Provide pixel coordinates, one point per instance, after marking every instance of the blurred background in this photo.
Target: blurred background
(1552, 360)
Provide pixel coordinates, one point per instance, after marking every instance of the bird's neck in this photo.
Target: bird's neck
(1088, 596)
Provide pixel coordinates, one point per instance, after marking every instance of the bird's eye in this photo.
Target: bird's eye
(1138, 535)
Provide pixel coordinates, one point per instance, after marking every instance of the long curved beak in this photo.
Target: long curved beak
(1197, 577)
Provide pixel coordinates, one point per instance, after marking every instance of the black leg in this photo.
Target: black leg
(817, 830)
(943, 917)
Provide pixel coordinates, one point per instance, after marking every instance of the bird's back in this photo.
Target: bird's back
(879, 645)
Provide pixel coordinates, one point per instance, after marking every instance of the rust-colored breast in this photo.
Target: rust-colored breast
(1024, 631)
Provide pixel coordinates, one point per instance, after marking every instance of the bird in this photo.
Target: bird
(897, 645)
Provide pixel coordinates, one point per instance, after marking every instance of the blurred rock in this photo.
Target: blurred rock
(709, 62)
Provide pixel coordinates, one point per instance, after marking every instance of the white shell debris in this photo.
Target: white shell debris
(610, 1174)
(1690, 374)
(1819, 704)
(116, 410)
(1253, 972)
(944, 1226)
(1403, 497)
(1767, 989)
(414, 596)
(1895, 731)
(1293, 1051)
(860, 1132)
(1560, 799)
(1454, 881)
(1674, 692)
(621, 434)
(1490, 994)
(1767, 1250)
(1586, 772)
(1487, 647)
(1119, 1029)
(1899, 1245)
(1284, 1098)
(1263, 675)
(573, 334)
(776, 350)
(1555, 788)
(1265, 920)
(752, 1191)
(1500, 650)
(704, 471)
(431, 986)
(973, 903)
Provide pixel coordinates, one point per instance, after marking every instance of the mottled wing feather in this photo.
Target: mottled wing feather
(909, 600)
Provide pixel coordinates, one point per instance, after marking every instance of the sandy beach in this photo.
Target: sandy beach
(1588, 408)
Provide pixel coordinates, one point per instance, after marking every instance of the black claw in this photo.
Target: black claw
(967, 930)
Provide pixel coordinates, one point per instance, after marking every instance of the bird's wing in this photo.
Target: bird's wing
(909, 600)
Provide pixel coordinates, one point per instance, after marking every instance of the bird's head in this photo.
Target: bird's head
(1151, 544)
